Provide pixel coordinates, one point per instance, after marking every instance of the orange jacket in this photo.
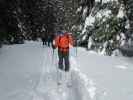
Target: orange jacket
(63, 42)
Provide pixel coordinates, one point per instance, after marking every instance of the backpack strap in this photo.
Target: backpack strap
(59, 39)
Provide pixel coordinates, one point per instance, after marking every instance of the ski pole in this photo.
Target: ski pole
(76, 51)
(76, 48)
(55, 65)
(57, 71)
(53, 57)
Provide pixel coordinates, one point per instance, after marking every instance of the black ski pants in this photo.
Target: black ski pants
(63, 60)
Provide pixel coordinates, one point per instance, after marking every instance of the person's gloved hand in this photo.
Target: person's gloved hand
(53, 47)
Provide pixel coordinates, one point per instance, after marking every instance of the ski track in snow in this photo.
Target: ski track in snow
(34, 75)
(47, 88)
(121, 67)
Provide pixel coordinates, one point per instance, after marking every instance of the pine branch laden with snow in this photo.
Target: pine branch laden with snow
(108, 21)
(32, 17)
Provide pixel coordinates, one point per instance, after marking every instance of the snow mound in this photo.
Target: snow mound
(121, 67)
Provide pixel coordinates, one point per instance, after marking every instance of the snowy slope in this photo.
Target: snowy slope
(20, 68)
(28, 72)
(113, 76)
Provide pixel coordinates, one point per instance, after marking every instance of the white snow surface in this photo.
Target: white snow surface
(121, 12)
(84, 12)
(105, 1)
(29, 72)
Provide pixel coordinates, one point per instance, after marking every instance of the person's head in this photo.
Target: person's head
(60, 33)
(68, 33)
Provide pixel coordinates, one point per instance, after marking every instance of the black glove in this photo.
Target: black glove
(53, 47)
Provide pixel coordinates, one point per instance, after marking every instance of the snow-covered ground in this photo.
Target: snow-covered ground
(28, 72)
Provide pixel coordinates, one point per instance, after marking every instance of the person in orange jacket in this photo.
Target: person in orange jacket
(63, 41)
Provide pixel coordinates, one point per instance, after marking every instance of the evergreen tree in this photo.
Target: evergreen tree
(128, 4)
